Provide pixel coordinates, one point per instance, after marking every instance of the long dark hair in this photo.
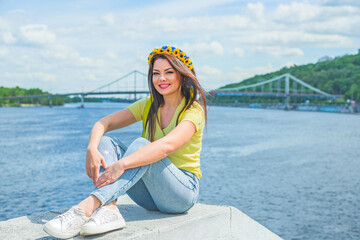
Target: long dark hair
(190, 89)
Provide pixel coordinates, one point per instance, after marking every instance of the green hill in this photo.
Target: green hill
(340, 75)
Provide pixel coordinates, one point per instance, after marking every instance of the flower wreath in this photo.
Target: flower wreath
(173, 51)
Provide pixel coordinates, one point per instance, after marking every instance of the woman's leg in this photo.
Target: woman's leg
(112, 150)
(141, 196)
(138, 192)
(70, 223)
(129, 179)
(173, 190)
(159, 185)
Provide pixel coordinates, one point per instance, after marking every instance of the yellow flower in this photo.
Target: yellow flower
(176, 53)
(182, 57)
(168, 50)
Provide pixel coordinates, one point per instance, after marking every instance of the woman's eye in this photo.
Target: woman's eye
(170, 72)
(155, 73)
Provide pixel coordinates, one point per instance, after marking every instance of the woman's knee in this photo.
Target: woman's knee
(105, 142)
(141, 141)
(137, 144)
(109, 149)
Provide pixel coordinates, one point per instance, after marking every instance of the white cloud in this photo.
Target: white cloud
(3, 52)
(240, 74)
(37, 33)
(204, 49)
(207, 70)
(298, 12)
(8, 38)
(239, 52)
(295, 38)
(341, 25)
(316, 18)
(34, 76)
(59, 52)
(200, 25)
(111, 55)
(237, 74)
(45, 77)
(256, 9)
(341, 2)
(178, 7)
(90, 62)
(109, 19)
(278, 51)
(233, 22)
(4, 24)
(69, 57)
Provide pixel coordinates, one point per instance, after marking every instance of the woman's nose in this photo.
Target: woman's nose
(162, 77)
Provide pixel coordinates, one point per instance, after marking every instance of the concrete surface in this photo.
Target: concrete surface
(203, 221)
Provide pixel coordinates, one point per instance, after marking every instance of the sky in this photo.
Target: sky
(71, 46)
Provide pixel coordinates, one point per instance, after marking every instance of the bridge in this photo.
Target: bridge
(131, 84)
(284, 86)
(135, 83)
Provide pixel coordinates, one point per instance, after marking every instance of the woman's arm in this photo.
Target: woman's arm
(116, 120)
(111, 122)
(150, 153)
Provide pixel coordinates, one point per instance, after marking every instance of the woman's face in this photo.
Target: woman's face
(166, 79)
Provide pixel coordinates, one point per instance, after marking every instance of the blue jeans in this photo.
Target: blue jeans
(157, 186)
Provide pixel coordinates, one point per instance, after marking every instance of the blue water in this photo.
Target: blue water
(297, 173)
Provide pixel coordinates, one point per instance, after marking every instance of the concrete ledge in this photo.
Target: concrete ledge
(203, 221)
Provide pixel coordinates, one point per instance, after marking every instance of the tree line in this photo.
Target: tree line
(17, 91)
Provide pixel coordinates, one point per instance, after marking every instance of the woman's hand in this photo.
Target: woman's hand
(111, 174)
(93, 160)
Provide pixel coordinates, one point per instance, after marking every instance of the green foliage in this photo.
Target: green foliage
(17, 91)
(56, 101)
(340, 75)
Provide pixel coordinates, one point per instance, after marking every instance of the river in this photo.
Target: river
(297, 173)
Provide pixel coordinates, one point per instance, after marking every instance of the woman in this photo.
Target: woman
(160, 171)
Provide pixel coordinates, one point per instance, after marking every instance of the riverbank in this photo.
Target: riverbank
(350, 109)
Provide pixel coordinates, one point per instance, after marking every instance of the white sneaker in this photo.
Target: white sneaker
(68, 224)
(103, 220)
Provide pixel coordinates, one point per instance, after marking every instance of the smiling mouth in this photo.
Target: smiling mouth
(163, 86)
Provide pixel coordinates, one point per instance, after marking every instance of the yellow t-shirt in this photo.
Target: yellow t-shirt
(188, 156)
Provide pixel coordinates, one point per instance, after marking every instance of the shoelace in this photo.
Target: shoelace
(67, 216)
(97, 211)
